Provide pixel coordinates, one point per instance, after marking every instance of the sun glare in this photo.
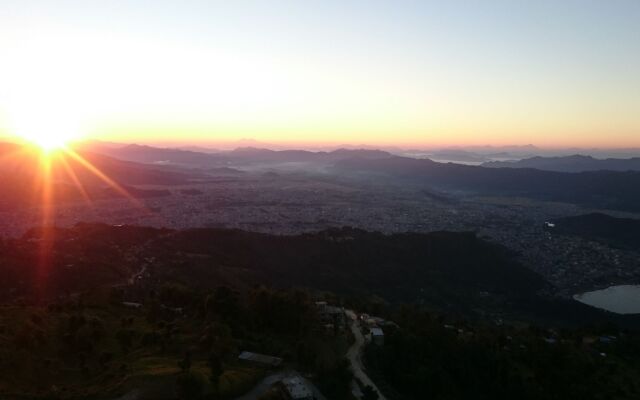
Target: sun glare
(48, 128)
(47, 142)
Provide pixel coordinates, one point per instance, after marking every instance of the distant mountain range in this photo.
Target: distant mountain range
(457, 156)
(574, 163)
(617, 188)
(237, 157)
(154, 155)
(600, 189)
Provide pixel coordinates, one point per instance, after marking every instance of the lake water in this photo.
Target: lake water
(623, 299)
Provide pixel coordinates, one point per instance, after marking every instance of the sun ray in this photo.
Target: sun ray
(46, 246)
(106, 179)
(46, 198)
(40, 179)
(74, 178)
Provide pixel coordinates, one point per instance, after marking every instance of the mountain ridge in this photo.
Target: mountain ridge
(572, 163)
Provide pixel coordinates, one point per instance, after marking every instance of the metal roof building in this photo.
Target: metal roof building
(298, 389)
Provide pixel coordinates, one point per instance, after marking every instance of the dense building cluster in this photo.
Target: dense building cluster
(288, 205)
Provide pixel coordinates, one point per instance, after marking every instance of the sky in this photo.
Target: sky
(414, 73)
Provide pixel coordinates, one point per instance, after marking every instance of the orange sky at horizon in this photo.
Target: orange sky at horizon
(404, 137)
(178, 138)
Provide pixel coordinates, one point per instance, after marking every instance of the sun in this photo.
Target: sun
(48, 142)
(48, 128)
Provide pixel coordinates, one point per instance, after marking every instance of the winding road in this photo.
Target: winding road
(355, 352)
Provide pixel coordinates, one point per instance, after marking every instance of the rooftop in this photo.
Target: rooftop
(297, 388)
(377, 332)
(260, 358)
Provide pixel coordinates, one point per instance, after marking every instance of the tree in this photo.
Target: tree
(224, 303)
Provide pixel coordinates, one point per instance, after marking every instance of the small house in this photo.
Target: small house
(377, 336)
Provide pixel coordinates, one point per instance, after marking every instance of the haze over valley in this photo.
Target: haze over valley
(296, 191)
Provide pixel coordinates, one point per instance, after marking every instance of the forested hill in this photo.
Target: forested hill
(618, 232)
(451, 272)
(401, 267)
(448, 271)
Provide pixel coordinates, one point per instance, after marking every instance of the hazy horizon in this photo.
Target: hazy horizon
(233, 143)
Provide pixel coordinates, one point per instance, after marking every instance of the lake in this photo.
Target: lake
(623, 299)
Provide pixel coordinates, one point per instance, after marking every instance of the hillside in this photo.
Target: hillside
(602, 189)
(618, 232)
(574, 163)
(27, 176)
(454, 272)
(100, 312)
(618, 188)
(238, 156)
(153, 155)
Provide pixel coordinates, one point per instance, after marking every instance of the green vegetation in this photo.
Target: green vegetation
(167, 313)
(451, 272)
(95, 346)
(438, 358)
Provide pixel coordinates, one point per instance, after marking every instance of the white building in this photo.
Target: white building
(377, 336)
